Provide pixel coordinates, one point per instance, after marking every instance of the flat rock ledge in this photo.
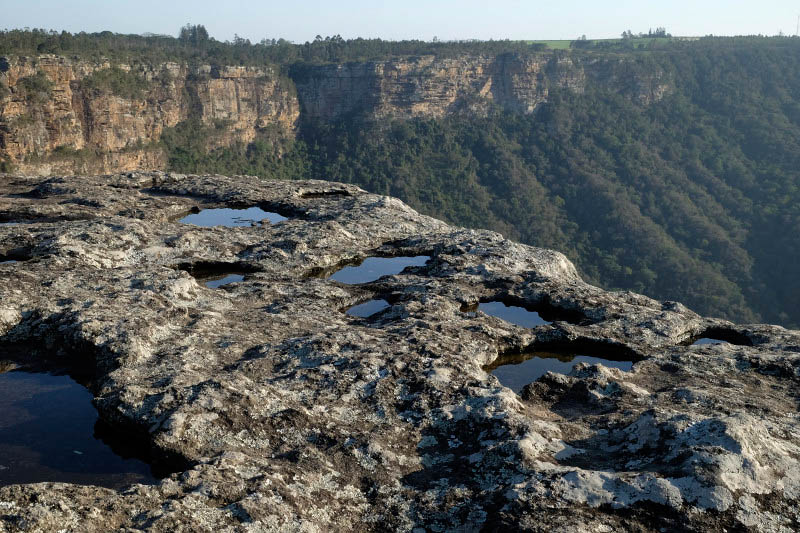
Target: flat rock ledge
(279, 412)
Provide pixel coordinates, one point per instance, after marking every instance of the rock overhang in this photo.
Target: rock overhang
(282, 410)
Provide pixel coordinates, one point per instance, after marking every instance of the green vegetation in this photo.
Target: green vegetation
(37, 88)
(116, 81)
(194, 45)
(62, 152)
(272, 154)
(633, 43)
(553, 45)
(21, 121)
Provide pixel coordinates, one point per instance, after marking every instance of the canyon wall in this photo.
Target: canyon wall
(54, 120)
(429, 87)
(69, 126)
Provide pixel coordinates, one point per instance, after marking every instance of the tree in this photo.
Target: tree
(195, 34)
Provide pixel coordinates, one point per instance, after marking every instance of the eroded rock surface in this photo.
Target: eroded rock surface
(279, 412)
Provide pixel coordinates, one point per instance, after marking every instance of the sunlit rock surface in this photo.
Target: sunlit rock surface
(278, 411)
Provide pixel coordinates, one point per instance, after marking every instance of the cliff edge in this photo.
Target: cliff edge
(278, 411)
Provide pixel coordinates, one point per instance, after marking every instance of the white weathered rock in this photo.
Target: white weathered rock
(282, 413)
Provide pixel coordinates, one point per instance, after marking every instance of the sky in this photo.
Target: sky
(300, 21)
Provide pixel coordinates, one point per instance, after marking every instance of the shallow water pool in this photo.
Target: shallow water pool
(517, 370)
(49, 431)
(368, 309)
(511, 313)
(231, 218)
(373, 268)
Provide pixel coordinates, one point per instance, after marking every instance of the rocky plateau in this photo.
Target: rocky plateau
(274, 410)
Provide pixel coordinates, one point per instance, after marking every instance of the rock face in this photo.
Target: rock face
(40, 132)
(279, 412)
(431, 87)
(120, 132)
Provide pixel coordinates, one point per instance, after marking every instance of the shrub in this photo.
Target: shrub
(38, 88)
(116, 81)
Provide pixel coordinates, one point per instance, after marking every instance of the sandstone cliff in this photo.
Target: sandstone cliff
(41, 133)
(277, 411)
(430, 87)
(70, 127)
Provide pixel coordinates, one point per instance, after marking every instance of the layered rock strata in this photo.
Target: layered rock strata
(119, 132)
(41, 131)
(434, 87)
(279, 412)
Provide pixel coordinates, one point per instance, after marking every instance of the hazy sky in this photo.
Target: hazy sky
(299, 20)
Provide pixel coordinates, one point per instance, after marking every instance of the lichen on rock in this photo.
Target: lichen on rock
(277, 411)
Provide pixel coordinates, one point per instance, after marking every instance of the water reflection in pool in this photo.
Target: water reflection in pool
(517, 370)
(216, 282)
(368, 309)
(373, 268)
(708, 340)
(48, 431)
(511, 313)
(231, 218)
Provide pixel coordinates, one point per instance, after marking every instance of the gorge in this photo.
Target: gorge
(668, 170)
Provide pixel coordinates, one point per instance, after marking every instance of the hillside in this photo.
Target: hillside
(669, 170)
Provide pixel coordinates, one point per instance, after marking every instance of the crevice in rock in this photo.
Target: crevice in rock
(17, 254)
(48, 189)
(284, 210)
(8, 219)
(722, 334)
(513, 314)
(375, 267)
(231, 217)
(604, 348)
(209, 271)
(220, 281)
(11, 258)
(85, 202)
(16, 219)
(325, 194)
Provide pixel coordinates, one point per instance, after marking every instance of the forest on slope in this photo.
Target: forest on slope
(694, 197)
